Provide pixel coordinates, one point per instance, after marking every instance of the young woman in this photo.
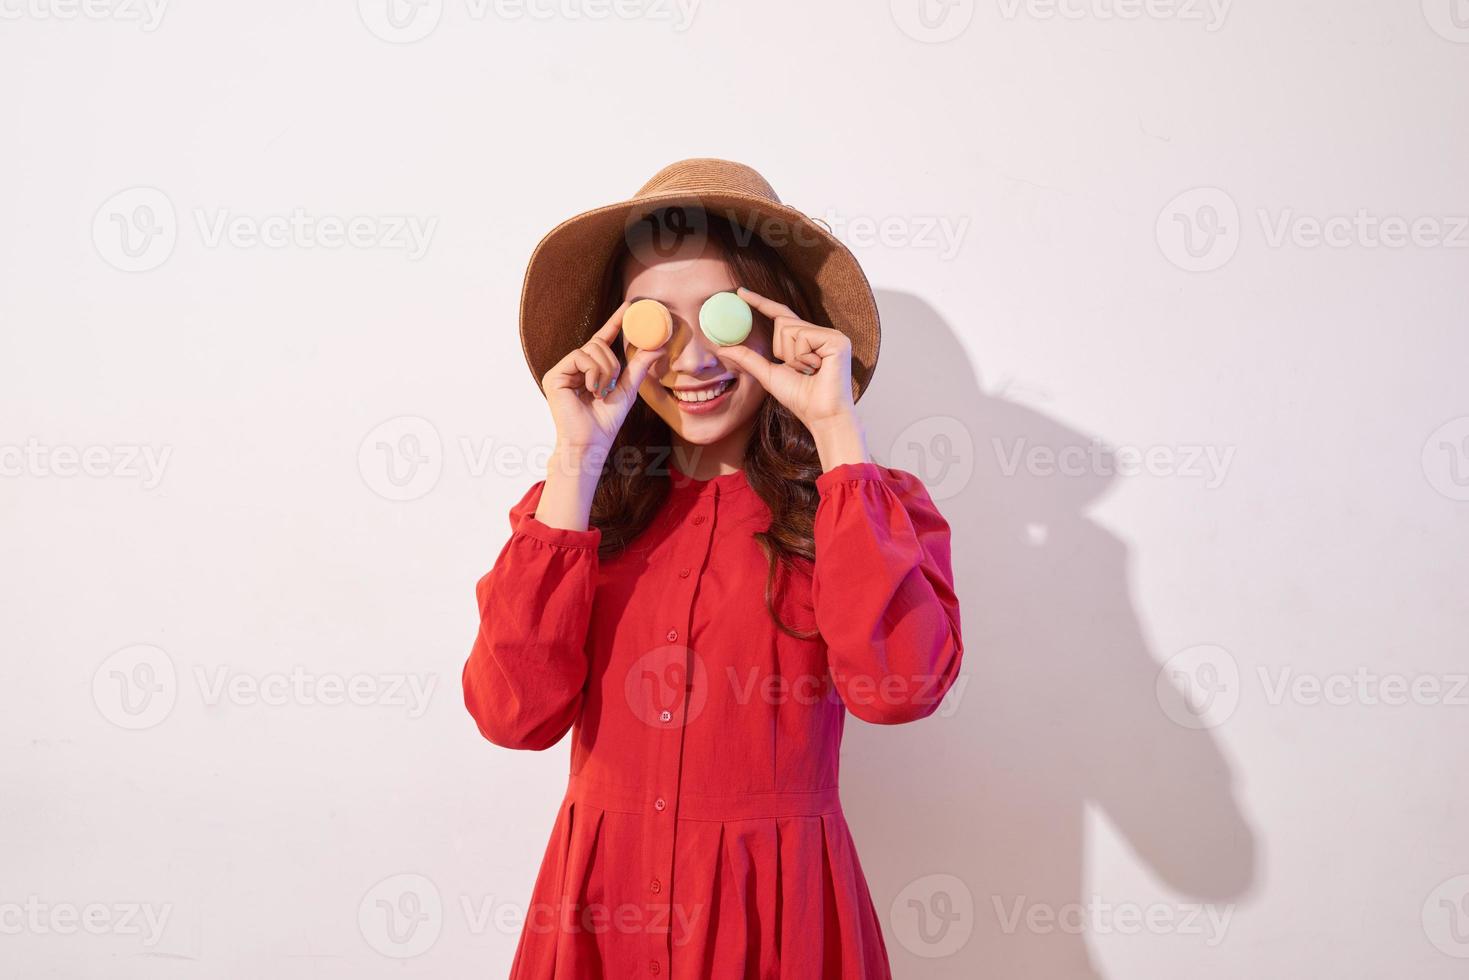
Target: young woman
(711, 576)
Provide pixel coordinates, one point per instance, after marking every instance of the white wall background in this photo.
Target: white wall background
(1259, 828)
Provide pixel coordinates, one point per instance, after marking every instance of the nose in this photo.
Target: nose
(690, 352)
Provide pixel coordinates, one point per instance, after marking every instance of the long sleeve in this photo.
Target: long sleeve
(883, 592)
(524, 677)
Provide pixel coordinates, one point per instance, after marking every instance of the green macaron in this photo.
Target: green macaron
(725, 319)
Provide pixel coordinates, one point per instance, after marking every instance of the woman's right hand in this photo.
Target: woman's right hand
(590, 392)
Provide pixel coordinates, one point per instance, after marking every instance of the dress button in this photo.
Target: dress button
(665, 716)
(699, 519)
(672, 635)
(653, 967)
(657, 886)
(683, 573)
(659, 805)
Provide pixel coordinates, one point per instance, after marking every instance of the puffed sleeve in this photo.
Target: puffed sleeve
(883, 592)
(524, 677)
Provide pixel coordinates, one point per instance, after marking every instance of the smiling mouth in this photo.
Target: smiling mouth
(700, 396)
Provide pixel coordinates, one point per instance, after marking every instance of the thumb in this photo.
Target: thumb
(751, 362)
(636, 370)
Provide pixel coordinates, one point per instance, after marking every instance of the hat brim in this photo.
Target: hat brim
(559, 299)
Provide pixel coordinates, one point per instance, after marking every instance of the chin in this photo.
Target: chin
(697, 431)
(702, 435)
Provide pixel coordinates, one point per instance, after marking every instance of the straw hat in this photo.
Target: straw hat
(559, 300)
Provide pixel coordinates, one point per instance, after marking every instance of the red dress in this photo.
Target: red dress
(701, 836)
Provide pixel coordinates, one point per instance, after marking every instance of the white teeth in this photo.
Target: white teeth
(703, 394)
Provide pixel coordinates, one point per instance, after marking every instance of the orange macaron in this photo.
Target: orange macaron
(647, 324)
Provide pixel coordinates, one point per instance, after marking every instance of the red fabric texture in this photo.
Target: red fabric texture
(701, 836)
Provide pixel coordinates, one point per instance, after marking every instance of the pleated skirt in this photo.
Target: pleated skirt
(771, 898)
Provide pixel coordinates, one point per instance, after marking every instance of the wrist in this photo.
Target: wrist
(840, 439)
(577, 462)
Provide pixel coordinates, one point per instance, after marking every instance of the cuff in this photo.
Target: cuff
(559, 537)
(849, 473)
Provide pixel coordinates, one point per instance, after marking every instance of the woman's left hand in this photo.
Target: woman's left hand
(815, 380)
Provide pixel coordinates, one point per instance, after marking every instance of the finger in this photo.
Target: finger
(588, 366)
(625, 392)
(769, 307)
(608, 331)
(790, 344)
(570, 372)
(748, 361)
(800, 350)
(608, 367)
(756, 365)
(639, 364)
(594, 377)
(785, 328)
(780, 339)
(807, 344)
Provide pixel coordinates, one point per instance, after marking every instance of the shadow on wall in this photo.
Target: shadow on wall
(1059, 709)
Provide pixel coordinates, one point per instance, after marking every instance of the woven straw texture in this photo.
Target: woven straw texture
(558, 302)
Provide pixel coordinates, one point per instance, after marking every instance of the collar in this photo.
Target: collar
(681, 484)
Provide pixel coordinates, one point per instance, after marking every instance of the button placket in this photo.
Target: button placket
(663, 815)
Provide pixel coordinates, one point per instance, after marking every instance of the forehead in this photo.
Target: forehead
(678, 280)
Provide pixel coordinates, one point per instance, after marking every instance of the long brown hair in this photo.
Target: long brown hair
(781, 462)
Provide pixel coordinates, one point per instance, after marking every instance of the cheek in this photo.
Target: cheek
(652, 392)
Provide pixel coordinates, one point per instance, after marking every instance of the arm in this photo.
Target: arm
(524, 677)
(883, 592)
